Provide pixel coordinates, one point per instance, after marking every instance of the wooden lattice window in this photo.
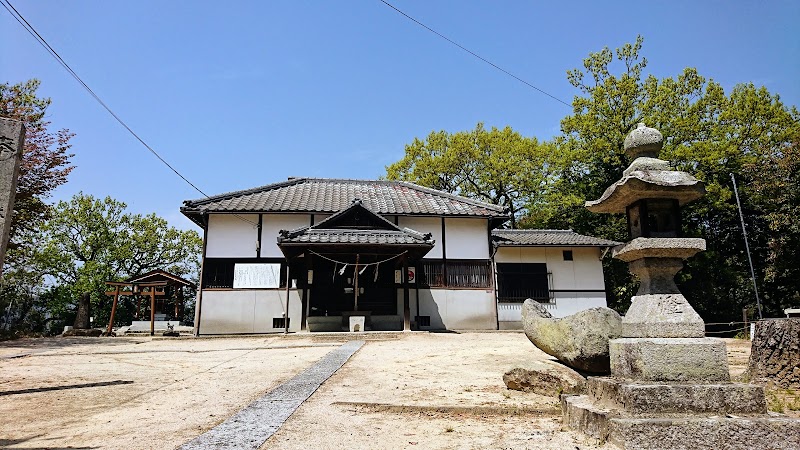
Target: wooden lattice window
(456, 274)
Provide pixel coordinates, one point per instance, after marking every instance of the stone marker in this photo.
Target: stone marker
(580, 341)
(12, 138)
(670, 385)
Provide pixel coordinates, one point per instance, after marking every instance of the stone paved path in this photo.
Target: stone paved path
(254, 424)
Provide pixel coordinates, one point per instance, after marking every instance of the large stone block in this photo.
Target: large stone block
(669, 359)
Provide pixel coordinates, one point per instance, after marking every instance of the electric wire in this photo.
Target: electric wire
(38, 37)
(473, 53)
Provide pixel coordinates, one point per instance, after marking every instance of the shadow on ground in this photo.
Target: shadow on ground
(10, 443)
(58, 342)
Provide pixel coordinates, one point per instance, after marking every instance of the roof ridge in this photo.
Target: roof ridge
(254, 190)
(537, 230)
(299, 180)
(474, 202)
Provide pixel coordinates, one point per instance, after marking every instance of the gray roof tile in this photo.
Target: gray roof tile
(331, 195)
(512, 238)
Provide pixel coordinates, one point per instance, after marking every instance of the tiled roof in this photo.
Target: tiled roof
(343, 236)
(331, 195)
(547, 238)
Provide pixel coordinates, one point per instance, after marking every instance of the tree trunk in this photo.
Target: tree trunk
(82, 317)
(775, 353)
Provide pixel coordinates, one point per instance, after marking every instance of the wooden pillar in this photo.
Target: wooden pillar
(175, 297)
(406, 303)
(288, 284)
(152, 310)
(138, 306)
(306, 291)
(355, 285)
(113, 311)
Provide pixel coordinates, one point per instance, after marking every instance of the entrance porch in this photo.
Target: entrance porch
(354, 264)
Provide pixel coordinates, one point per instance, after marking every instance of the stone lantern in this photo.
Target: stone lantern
(651, 194)
(669, 385)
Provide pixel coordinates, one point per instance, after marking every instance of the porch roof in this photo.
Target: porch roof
(547, 238)
(342, 236)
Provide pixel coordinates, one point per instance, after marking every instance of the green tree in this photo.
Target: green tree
(776, 188)
(498, 166)
(707, 133)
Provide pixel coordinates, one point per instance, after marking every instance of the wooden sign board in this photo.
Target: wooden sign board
(249, 276)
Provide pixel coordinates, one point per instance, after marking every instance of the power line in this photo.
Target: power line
(35, 34)
(61, 61)
(474, 54)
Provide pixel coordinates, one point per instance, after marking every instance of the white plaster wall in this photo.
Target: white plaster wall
(584, 272)
(568, 303)
(231, 237)
(466, 238)
(273, 223)
(423, 225)
(247, 311)
(319, 218)
(452, 309)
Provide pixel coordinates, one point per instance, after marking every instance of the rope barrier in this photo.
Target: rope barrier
(727, 331)
(360, 264)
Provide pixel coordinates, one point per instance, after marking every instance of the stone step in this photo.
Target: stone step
(642, 398)
(680, 431)
(581, 414)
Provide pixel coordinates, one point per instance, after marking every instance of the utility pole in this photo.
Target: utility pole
(747, 247)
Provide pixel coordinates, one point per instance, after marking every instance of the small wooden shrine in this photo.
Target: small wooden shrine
(164, 290)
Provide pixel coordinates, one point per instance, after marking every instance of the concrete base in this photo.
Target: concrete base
(670, 431)
(669, 359)
(712, 433)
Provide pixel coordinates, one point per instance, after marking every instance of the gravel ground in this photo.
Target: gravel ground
(406, 390)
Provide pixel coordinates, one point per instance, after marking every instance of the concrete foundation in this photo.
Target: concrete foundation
(635, 415)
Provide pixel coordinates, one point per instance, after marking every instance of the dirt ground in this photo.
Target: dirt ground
(411, 390)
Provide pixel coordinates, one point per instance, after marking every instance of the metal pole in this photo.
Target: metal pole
(747, 247)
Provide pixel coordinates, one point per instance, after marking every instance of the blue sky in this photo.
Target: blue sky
(244, 93)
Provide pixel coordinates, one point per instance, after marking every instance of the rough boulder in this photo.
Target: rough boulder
(547, 378)
(580, 341)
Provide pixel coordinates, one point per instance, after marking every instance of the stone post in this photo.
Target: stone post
(12, 138)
